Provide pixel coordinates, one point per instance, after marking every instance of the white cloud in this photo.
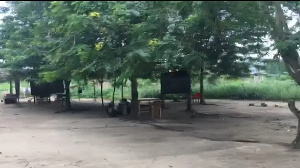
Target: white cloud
(4, 4)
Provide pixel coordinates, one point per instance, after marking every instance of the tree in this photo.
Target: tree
(286, 43)
(20, 59)
(208, 34)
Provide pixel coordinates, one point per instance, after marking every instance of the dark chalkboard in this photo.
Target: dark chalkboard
(46, 89)
(178, 82)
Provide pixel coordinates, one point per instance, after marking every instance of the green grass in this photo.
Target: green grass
(282, 88)
(5, 86)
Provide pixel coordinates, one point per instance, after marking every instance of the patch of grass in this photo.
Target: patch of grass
(4, 87)
(269, 89)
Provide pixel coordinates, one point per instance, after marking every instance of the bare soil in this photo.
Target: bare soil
(228, 134)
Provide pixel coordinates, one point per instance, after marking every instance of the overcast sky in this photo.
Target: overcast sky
(2, 3)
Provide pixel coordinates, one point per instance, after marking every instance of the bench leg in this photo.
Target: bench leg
(139, 110)
(160, 113)
(152, 112)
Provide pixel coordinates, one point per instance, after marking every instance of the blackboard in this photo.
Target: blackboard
(178, 82)
(46, 89)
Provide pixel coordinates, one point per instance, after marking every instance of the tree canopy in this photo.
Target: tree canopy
(78, 40)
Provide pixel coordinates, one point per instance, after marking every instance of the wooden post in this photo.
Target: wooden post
(201, 100)
(163, 101)
(189, 102)
(17, 89)
(62, 99)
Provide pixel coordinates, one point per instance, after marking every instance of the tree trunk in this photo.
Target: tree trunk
(189, 102)
(134, 98)
(296, 112)
(68, 97)
(113, 96)
(202, 101)
(101, 92)
(10, 87)
(17, 88)
(122, 90)
(94, 91)
(79, 88)
(290, 56)
(189, 99)
(296, 142)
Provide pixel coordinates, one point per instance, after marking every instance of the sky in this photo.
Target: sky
(2, 3)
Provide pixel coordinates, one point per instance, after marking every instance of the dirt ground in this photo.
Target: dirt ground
(227, 134)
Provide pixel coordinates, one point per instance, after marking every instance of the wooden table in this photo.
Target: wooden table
(149, 100)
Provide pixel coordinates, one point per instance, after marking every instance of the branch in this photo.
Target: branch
(293, 108)
(294, 74)
(280, 17)
(292, 70)
(47, 52)
(71, 47)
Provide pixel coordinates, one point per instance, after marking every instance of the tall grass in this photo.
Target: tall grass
(5, 86)
(269, 89)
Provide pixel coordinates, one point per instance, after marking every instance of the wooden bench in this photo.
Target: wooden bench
(10, 99)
